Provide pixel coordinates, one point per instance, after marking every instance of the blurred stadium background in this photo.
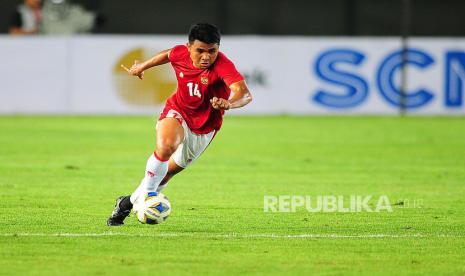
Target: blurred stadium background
(305, 57)
(270, 17)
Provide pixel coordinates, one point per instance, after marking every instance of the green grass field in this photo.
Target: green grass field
(59, 177)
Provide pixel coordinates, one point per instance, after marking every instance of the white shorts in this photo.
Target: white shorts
(193, 144)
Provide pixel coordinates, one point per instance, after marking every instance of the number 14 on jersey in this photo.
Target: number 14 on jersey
(194, 89)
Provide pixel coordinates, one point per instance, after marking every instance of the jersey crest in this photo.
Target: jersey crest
(204, 80)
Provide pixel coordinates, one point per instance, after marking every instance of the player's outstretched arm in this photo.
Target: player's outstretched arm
(138, 68)
(241, 97)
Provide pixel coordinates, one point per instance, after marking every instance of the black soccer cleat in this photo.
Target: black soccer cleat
(119, 213)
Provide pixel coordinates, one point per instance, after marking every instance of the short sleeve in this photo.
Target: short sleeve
(227, 70)
(16, 20)
(176, 52)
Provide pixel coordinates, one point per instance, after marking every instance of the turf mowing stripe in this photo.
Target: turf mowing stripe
(230, 235)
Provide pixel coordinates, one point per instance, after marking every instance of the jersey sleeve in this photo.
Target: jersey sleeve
(227, 71)
(176, 53)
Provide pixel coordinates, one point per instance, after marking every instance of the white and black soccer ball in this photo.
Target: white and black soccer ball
(154, 208)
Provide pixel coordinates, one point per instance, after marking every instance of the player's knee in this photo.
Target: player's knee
(166, 148)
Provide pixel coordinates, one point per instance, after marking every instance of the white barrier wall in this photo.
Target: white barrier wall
(293, 75)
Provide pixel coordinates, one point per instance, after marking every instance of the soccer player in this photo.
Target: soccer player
(192, 115)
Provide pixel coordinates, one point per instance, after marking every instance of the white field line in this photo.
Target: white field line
(233, 235)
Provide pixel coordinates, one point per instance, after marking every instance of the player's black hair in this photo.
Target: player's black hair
(205, 32)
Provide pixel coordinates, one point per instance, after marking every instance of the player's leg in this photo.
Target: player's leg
(191, 149)
(170, 135)
(173, 169)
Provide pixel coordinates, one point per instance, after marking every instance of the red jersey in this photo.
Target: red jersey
(197, 86)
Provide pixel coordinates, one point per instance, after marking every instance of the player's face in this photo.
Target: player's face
(203, 55)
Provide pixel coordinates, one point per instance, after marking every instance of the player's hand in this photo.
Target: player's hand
(135, 70)
(220, 104)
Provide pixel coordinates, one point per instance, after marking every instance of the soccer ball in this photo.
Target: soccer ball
(154, 208)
